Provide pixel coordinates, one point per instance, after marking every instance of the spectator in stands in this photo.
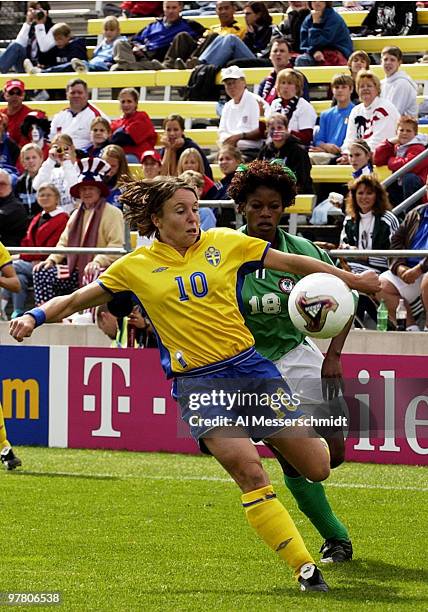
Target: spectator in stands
(197, 180)
(324, 37)
(147, 49)
(240, 119)
(141, 9)
(77, 118)
(100, 137)
(299, 112)
(333, 122)
(397, 151)
(43, 231)
(408, 278)
(94, 224)
(255, 44)
(229, 157)
(13, 218)
(291, 27)
(184, 50)
(280, 57)
(59, 57)
(191, 159)
(369, 222)
(31, 157)
(282, 145)
(34, 39)
(35, 129)
(398, 87)
(16, 111)
(119, 172)
(134, 131)
(102, 59)
(390, 19)
(60, 169)
(358, 60)
(374, 119)
(360, 158)
(9, 150)
(116, 328)
(152, 164)
(174, 142)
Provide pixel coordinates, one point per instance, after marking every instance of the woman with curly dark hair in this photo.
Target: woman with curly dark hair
(262, 191)
(369, 222)
(189, 283)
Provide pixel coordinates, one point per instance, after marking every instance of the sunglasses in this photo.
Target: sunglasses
(15, 92)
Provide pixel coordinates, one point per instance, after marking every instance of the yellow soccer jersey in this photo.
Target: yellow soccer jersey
(194, 301)
(5, 257)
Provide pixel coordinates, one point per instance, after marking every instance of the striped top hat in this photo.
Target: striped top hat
(93, 171)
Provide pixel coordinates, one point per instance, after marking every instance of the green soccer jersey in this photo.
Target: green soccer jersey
(265, 300)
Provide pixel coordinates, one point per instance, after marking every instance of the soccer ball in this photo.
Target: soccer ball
(320, 305)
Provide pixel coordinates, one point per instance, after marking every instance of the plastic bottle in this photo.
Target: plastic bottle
(401, 316)
(382, 317)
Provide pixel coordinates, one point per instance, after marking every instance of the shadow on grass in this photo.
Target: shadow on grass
(363, 581)
(65, 475)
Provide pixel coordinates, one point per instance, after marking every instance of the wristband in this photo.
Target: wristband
(38, 315)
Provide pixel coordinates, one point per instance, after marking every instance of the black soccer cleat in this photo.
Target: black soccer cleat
(336, 551)
(9, 459)
(311, 579)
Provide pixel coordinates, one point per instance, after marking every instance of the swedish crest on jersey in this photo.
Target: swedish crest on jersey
(286, 284)
(213, 256)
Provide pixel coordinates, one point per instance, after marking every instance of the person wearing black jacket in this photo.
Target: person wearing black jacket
(286, 147)
(391, 19)
(13, 218)
(32, 41)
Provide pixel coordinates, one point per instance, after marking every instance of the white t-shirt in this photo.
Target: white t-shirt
(303, 118)
(365, 233)
(242, 117)
(76, 125)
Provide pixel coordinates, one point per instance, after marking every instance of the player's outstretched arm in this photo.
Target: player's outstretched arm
(59, 308)
(367, 282)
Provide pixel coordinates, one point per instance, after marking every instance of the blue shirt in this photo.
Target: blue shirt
(333, 124)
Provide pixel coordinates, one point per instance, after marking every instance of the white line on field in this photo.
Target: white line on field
(338, 485)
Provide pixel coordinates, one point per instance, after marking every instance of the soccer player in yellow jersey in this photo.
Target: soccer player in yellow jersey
(9, 281)
(188, 283)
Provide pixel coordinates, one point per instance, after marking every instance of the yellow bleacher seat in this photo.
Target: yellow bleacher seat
(319, 174)
(407, 44)
(93, 79)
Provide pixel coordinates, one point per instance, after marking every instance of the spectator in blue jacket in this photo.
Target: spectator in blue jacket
(324, 37)
(148, 48)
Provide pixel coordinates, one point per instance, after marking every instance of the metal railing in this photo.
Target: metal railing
(415, 197)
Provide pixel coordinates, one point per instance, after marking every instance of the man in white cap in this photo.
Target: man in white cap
(240, 119)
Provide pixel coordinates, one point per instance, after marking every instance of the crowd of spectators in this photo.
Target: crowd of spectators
(60, 179)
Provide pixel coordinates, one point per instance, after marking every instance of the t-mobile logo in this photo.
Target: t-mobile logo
(123, 402)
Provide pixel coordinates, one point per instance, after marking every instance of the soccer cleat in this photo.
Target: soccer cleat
(78, 65)
(336, 551)
(310, 579)
(9, 459)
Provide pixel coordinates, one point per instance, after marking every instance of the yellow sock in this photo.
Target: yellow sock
(270, 519)
(3, 440)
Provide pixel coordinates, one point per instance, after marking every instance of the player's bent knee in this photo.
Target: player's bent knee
(319, 471)
(250, 475)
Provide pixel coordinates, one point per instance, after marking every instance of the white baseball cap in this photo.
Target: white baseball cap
(232, 72)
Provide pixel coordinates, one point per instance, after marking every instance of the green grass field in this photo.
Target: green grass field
(131, 531)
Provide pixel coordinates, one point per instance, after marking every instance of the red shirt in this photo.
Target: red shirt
(140, 128)
(15, 122)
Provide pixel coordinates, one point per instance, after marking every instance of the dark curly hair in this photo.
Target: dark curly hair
(382, 202)
(144, 198)
(261, 173)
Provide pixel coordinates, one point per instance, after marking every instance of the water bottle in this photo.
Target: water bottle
(401, 316)
(382, 317)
